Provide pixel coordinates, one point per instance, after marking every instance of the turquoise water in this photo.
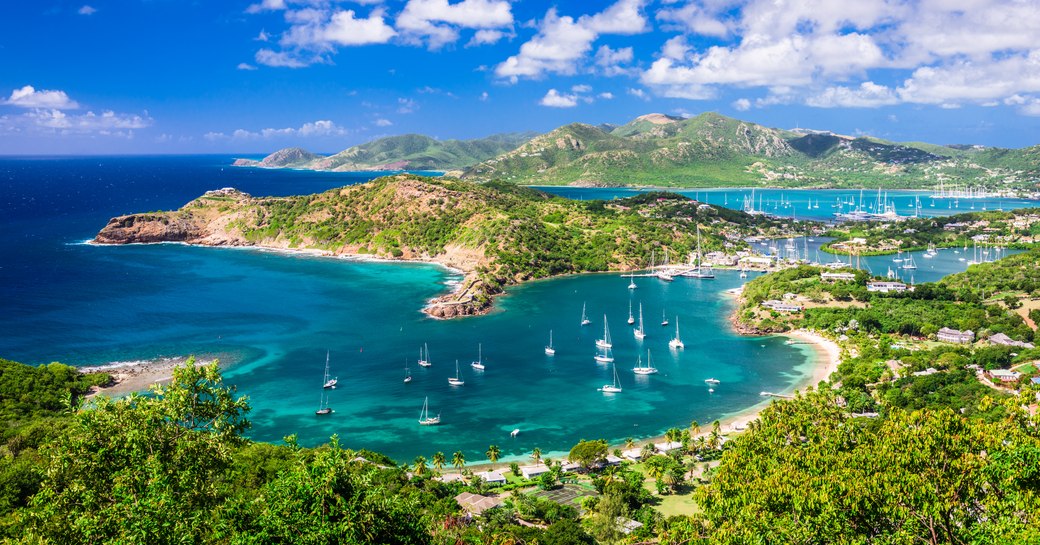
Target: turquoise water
(273, 317)
(814, 204)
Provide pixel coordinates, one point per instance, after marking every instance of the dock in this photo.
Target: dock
(780, 396)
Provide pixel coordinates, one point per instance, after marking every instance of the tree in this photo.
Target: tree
(142, 469)
(419, 466)
(438, 460)
(537, 455)
(458, 459)
(648, 450)
(566, 532)
(605, 521)
(589, 453)
(629, 443)
(493, 452)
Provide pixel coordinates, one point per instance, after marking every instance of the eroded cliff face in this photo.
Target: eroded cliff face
(150, 228)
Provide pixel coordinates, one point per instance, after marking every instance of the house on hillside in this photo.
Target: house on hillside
(1003, 339)
(955, 336)
(1004, 375)
(886, 287)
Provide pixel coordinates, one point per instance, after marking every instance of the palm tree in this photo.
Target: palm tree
(492, 454)
(420, 465)
(438, 460)
(715, 439)
(629, 443)
(537, 455)
(648, 451)
(458, 459)
(695, 429)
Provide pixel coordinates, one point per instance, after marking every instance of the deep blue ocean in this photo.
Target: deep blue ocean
(272, 317)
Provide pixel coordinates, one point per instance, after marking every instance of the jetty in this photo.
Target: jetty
(772, 394)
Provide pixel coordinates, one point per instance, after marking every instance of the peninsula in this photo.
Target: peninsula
(496, 234)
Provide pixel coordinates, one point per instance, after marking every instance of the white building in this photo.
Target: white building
(886, 287)
(955, 336)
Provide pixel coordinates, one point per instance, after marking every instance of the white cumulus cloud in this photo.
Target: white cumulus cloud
(437, 22)
(307, 130)
(87, 10)
(29, 97)
(554, 99)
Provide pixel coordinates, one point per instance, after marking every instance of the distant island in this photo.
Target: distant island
(497, 234)
(708, 150)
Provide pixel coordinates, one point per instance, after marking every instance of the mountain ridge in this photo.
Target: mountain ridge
(705, 150)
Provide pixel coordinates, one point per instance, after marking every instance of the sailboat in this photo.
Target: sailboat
(424, 358)
(664, 318)
(407, 373)
(584, 318)
(479, 364)
(604, 355)
(648, 370)
(323, 407)
(676, 343)
(632, 282)
(743, 272)
(711, 381)
(424, 415)
(328, 383)
(631, 319)
(605, 341)
(909, 262)
(612, 388)
(457, 379)
(639, 332)
(899, 257)
(698, 271)
(549, 350)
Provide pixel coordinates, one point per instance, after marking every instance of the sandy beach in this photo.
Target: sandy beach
(137, 376)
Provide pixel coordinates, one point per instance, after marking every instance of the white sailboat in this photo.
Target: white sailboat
(631, 319)
(699, 271)
(648, 370)
(424, 415)
(323, 406)
(664, 318)
(711, 381)
(743, 272)
(676, 343)
(584, 317)
(604, 345)
(424, 358)
(457, 379)
(605, 341)
(407, 372)
(612, 388)
(479, 364)
(328, 383)
(908, 263)
(549, 350)
(639, 332)
(632, 281)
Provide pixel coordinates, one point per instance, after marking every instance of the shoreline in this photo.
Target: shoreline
(139, 375)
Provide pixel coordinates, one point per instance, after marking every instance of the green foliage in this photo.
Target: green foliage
(808, 473)
(28, 392)
(589, 453)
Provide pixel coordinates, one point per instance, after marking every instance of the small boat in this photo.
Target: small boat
(711, 390)
(549, 350)
(648, 370)
(676, 343)
(424, 416)
(584, 318)
(457, 379)
(479, 364)
(605, 341)
(743, 273)
(664, 319)
(407, 373)
(631, 319)
(329, 382)
(515, 432)
(712, 381)
(323, 406)
(632, 282)
(424, 358)
(909, 263)
(638, 332)
(612, 388)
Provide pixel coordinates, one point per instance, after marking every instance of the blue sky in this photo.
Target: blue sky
(178, 76)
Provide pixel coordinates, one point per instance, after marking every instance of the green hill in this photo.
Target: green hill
(497, 233)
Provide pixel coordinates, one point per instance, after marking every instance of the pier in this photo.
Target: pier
(779, 396)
